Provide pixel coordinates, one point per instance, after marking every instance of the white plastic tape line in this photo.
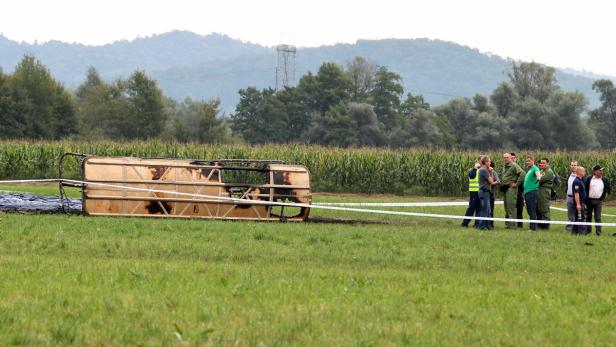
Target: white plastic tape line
(398, 204)
(45, 180)
(422, 204)
(336, 208)
(565, 210)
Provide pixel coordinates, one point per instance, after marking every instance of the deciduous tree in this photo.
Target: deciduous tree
(361, 72)
(504, 98)
(147, 112)
(199, 121)
(45, 108)
(603, 119)
(533, 80)
(260, 117)
(385, 97)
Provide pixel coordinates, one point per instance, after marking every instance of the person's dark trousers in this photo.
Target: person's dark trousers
(520, 205)
(473, 207)
(580, 216)
(484, 210)
(492, 210)
(571, 212)
(594, 206)
(531, 207)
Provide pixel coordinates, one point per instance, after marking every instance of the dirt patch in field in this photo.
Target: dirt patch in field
(330, 220)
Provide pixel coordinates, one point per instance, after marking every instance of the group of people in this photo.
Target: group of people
(534, 188)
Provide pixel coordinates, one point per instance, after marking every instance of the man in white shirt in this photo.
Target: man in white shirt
(598, 188)
(571, 208)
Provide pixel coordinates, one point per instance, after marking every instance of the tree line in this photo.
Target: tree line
(363, 104)
(35, 106)
(360, 104)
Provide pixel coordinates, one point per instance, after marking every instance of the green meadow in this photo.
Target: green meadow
(342, 279)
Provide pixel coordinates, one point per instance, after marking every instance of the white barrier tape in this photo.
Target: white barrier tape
(48, 180)
(260, 202)
(398, 204)
(421, 204)
(336, 208)
(565, 210)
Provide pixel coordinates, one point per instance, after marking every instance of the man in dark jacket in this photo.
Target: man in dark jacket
(486, 183)
(597, 189)
(579, 197)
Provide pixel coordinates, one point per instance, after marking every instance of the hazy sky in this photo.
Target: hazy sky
(577, 34)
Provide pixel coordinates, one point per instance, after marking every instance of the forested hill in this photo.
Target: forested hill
(202, 67)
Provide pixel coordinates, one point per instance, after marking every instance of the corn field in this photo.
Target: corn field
(362, 170)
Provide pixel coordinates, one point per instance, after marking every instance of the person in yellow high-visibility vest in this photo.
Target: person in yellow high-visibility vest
(473, 195)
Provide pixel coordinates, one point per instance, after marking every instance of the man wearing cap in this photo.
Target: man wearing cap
(579, 197)
(571, 210)
(598, 188)
(545, 192)
(512, 178)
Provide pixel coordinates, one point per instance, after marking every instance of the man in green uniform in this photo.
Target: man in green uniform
(545, 192)
(512, 177)
(519, 205)
(531, 190)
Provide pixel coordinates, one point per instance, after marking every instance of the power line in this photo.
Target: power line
(436, 93)
(280, 77)
(222, 74)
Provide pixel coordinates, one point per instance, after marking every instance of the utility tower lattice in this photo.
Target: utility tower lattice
(285, 66)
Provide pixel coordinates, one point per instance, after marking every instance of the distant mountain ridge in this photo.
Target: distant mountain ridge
(186, 64)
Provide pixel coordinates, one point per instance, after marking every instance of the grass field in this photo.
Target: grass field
(342, 279)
